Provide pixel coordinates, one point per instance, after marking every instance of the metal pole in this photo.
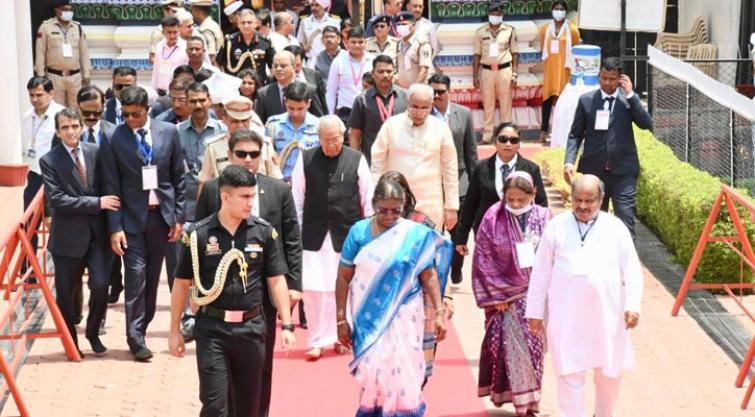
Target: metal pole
(687, 130)
(623, 34)
(732, 132)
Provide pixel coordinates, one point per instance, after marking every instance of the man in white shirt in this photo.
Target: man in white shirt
(284, 29)
(37, 131)
(588, 275)
(345, 78)
(311, 29)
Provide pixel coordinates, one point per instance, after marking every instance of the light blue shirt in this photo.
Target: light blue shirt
(280, 128)
(193, 148)
(442, 116)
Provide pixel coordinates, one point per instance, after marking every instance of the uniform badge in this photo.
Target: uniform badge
(237, 53)
(280, 133)
(254, 250)
(274, 234)
(258, 54)
(213, 247)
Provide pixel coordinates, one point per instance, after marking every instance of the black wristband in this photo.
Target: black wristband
(289, 327)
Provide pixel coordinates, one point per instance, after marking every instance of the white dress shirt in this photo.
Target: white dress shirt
(97, 128)
(153, 200)
(36, 135)
(345, 80)
(499, 180)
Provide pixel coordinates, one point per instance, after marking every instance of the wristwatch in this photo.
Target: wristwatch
(289, 327)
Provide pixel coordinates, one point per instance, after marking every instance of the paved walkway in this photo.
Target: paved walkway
(680, 370)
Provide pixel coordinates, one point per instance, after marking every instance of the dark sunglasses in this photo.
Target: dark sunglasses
(386, 211)
(134, 114)
(87, 113)
(440, 92)
(504, 139)
(120, 86)
(380, 26)
(244, 154)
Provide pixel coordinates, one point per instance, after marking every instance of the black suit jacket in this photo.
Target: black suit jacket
(462, 129)
(277, 207)
(482, 194)
(76, 214)
(614, 147)
(122, 168)
(110, 110)
(269, 103)
(317, 91)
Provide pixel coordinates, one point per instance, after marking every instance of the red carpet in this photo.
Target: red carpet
(326, 389)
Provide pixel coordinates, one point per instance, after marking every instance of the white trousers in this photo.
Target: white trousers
(571, 394)
(320, 308)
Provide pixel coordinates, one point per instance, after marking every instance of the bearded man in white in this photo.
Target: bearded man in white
(588, 273)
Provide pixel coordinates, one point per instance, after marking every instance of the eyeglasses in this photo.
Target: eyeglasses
(87, 113)
(440, 92)
(380, 26)
(244, 154)
(134, 114)
(178, 99)
(504, 139)
(120, 86)
(386, 211)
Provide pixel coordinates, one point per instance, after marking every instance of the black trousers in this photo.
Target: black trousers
(116, 278)
(230, 357)
(68, 282)
(144, 262)
(547, 109)
(271, 321)
(33, 184)
(621, 190)
(457, 262)
(171, 261)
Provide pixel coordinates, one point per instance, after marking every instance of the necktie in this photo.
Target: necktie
(91, 135)
(505, 171)
(283, 98)
(144, 146)
(80, 168)
(609, 100)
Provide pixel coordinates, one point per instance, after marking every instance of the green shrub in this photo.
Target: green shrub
(674, 199)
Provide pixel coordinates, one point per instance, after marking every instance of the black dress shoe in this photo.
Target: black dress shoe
(97, 346)
(115, 294)
(79, 318)
(143, 354)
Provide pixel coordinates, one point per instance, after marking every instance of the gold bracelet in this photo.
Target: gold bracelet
(342, 322)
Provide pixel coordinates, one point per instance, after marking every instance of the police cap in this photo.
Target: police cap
(495, 6)
(381, 18)
(405, 16)
(61, 3)
(238, 107)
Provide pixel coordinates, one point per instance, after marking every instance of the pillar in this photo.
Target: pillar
(10, 78)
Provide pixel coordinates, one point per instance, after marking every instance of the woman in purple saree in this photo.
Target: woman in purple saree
(511, 361)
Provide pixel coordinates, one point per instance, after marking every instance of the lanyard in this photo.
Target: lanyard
(384, 113)
(356, 77)
(583, 236)
(162, 53)
(145, 149)
(36, 128)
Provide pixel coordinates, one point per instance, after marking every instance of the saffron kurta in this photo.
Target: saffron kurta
(556, 73)
(587, 290)
(426, 155)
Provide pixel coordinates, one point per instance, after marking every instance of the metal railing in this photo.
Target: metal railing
(713, 132)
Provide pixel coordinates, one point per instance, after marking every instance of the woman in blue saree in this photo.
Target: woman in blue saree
(387, 264)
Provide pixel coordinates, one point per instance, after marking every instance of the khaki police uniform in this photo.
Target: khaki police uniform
(62, 54)
(212, 34)
(230, 332)
(390, 48)
(412, 55)
(496, 51)
(216, 158)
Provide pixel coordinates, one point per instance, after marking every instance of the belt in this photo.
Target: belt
(496, 67)
(153, 207)
(231, 316)
(63, 73)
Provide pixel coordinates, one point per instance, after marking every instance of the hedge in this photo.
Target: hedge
(674, 199)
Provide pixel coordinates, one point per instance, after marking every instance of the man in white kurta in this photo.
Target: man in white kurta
(588, 274)
(320, 267)
(422, 149)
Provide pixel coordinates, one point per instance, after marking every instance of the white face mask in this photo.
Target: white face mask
(559, 15)
(403, 30)
(519, 211)
(495, 20)
(66, 16)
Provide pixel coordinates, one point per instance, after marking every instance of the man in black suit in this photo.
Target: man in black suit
(459, 119)
(486, 182)
(91, 101)
(276, 205)
(312, 78)
(122, 77)
(270, 97)
(603, 121)
(144, 166)
(72, 189)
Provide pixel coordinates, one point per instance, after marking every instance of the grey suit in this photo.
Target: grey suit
(610, 154)
(462, 129)
(78, 234)
(146, 227)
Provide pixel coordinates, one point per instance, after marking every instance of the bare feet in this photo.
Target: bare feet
(340, 349)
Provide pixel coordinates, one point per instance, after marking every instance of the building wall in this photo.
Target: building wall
(722, 18)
